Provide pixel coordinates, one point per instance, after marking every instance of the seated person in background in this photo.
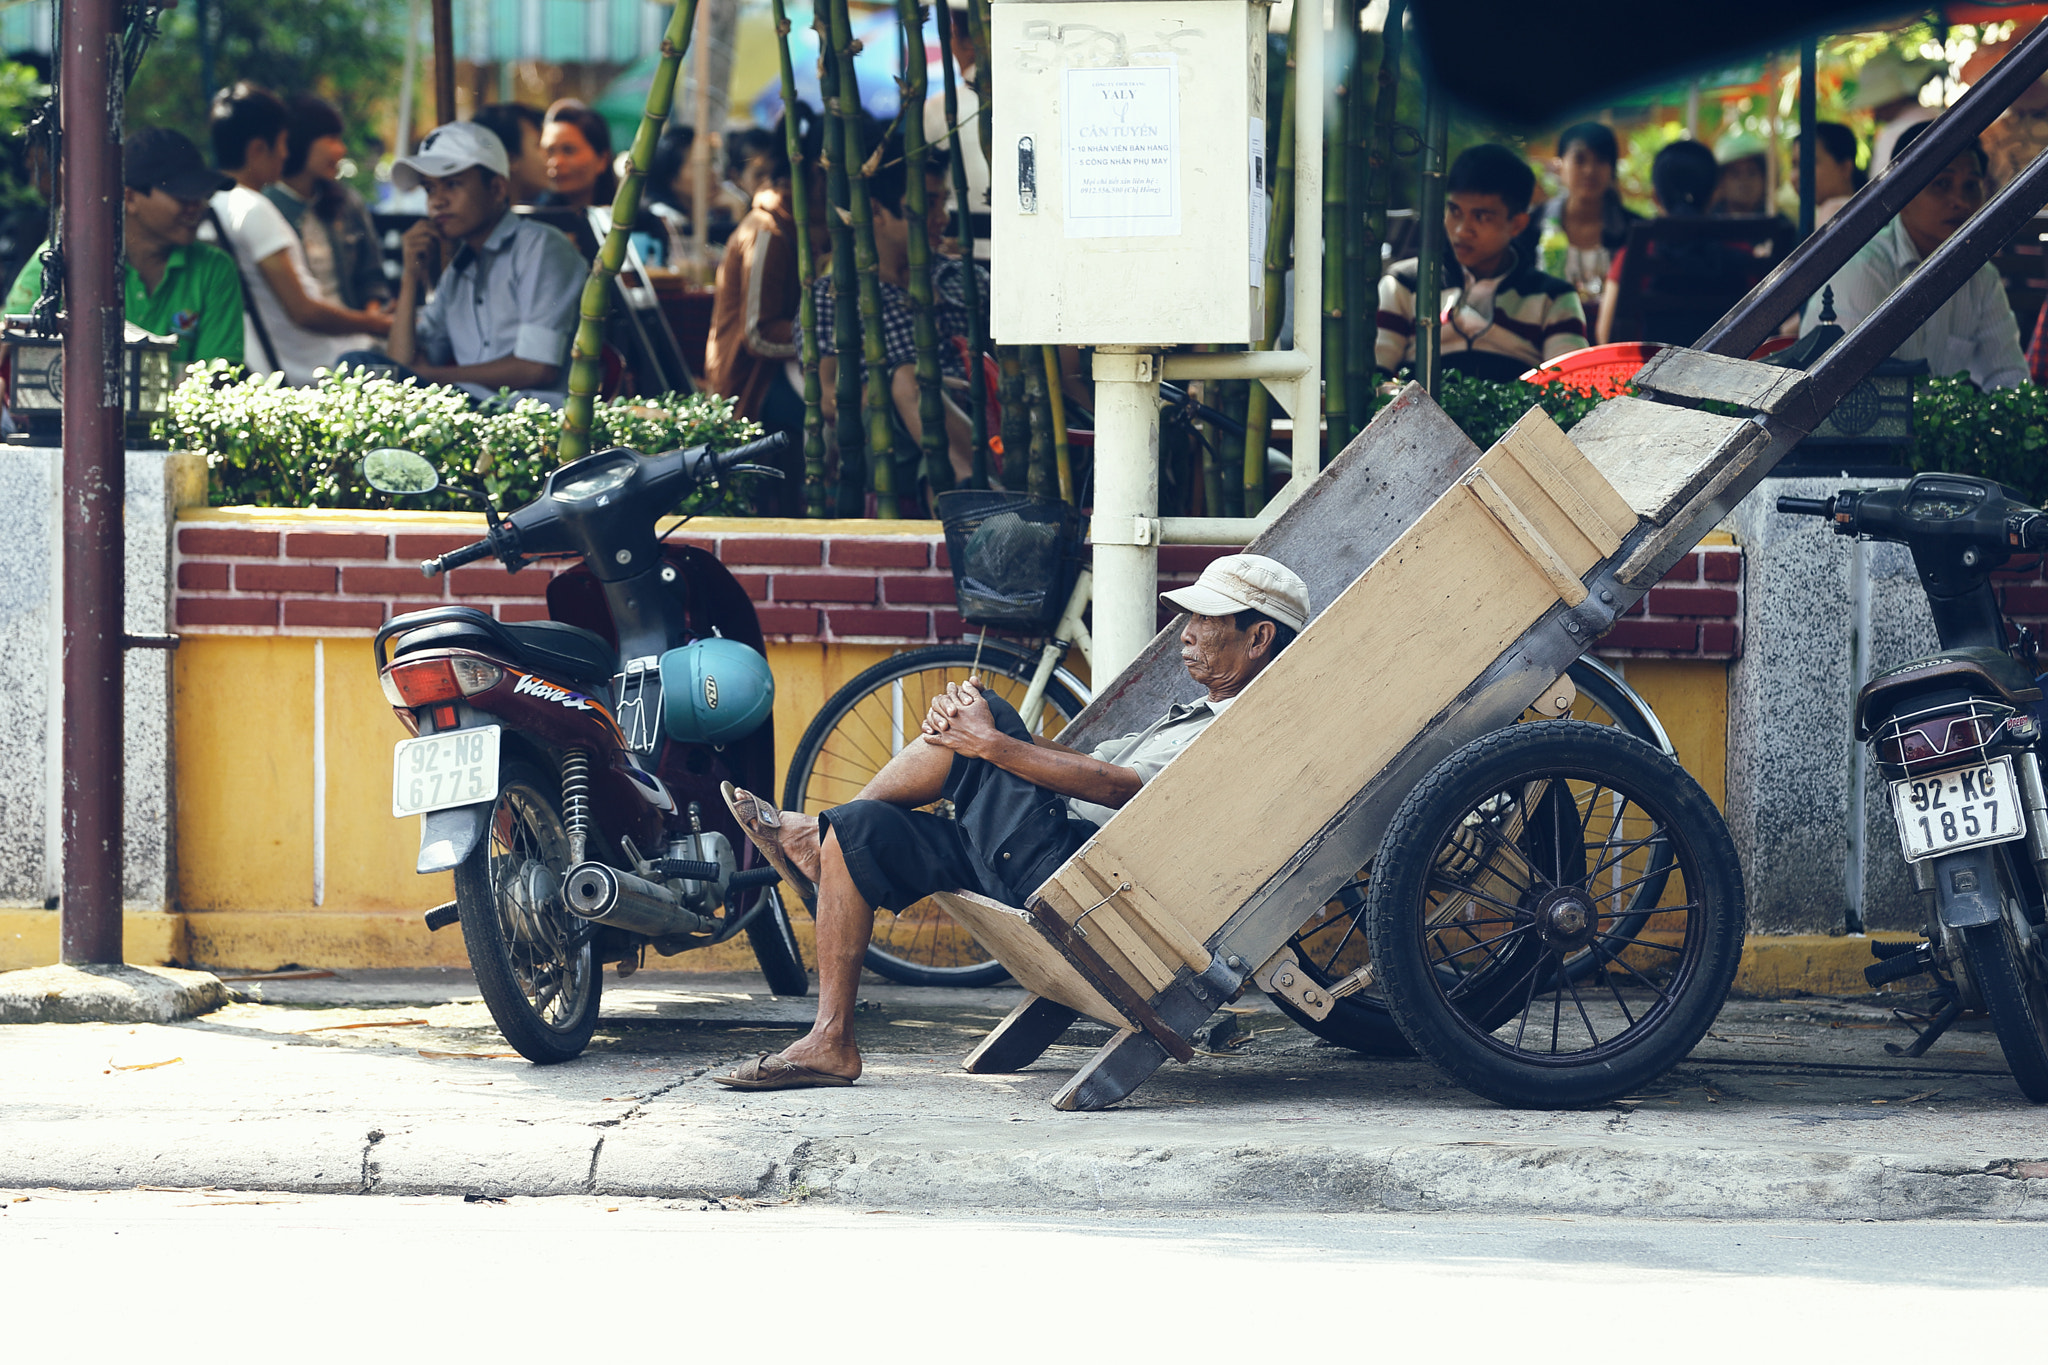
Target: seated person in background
(1022, 804)
(517, 126)
(1743, 187)
(949, 314)
(1974, 330)
(504, 310)
(292, 325)
(748, 354)
(177, 286)
(332, 221)
(577, 145)
(1501, 314)
(1575, 235)
(1683, 178)
(1835, 176)
(663, 233)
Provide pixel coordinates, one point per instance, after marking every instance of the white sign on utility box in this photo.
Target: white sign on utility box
(1128, 189)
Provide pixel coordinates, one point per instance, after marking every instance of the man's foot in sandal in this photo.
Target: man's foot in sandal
(770, 1071)
(779, 837)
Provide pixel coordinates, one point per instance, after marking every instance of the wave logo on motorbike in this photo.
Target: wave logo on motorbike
(531, 686)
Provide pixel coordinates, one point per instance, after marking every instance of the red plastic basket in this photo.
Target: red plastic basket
(1605, 370)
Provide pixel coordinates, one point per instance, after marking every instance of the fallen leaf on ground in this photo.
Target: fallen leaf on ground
(113, 1065)
(1923, 1095)
(372, 1023)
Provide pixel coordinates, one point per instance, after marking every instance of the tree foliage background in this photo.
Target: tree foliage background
(346, 51)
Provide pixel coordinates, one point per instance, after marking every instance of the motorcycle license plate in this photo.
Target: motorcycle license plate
(434, 772)
(1960, 808)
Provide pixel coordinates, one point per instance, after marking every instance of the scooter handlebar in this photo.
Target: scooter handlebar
(767, 448)
(455, 559)
(1808, 507)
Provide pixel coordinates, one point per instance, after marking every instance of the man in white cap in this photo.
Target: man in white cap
(1022, 804)
(504, 310)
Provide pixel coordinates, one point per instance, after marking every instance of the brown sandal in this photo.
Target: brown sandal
(761, 822)
(772, 1072)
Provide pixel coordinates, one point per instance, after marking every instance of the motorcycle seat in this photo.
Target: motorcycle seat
(553, 649)
(1982, 669)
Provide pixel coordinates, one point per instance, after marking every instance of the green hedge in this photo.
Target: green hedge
(2000, 435)
(268, 445)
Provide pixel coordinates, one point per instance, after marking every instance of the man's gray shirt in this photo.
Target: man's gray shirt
(517, 296)
(1149, 750)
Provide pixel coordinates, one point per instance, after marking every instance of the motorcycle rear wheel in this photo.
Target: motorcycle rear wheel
(775, 947)
(2017, 1001)
(533, 960)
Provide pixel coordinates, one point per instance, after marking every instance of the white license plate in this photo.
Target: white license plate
(434, 772)
(1960, 808)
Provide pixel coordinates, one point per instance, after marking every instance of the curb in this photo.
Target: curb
(1778, 965)
(679, 1162)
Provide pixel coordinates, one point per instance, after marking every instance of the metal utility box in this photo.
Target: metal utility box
(1130, 176)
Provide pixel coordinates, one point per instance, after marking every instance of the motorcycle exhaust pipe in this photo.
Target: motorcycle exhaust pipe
(605, 895)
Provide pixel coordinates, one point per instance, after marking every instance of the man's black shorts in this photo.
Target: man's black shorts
(1007, 837)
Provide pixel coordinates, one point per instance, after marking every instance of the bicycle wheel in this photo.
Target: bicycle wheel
(1330, 946)
(1523, 851)
(532, 958)
(863, 726)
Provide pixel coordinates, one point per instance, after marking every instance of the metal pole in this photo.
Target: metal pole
(1429, 262)
(95, 483)
(444, 62)
(1126, 506)
(1809, 113)
(1307, 410)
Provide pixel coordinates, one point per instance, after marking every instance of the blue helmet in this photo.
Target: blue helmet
(714, 691)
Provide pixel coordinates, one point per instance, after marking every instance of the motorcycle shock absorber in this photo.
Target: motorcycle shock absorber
(576, 802)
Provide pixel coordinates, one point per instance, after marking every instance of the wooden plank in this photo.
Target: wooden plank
(1525, 538)
(1747, 384)
(1658, 456)
(1038, 965)
(1540, 447)
(1362, 503)
(1022, 1038)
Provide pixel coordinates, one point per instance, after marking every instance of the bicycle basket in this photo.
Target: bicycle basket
(1014, 556)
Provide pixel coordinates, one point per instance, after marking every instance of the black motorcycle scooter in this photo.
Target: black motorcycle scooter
(1958, 737)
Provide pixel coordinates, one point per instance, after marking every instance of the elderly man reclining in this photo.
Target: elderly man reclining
(1023, 805)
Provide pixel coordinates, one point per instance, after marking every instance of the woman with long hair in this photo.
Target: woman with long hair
(578, 145)
(332, 221)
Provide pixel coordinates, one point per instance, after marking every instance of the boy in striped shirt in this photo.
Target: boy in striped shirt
(1500, 314)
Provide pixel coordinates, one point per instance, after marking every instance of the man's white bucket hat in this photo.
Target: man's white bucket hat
(449, 149)
(1238, 583)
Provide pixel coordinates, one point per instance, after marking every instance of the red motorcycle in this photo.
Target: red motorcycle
(567, 770)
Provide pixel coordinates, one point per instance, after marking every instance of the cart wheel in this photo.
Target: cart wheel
(1332, 945)
(1519, 855)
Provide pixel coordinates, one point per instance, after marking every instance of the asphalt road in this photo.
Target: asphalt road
(192, 1275)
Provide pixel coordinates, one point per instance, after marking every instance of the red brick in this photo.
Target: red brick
(788, 620)
(214, 540)
(880, 554)
(284, 578)
(900, 590)
(755, 585)
(426, 547)
(1189, 560)
(522, 611)
(941, 559)
(332, 614)
(776, 550)
(1694, 602)
(910, 625)
(2026, 600)
(206, 577)
(1639, 609)
(948, 625)
(335, 545)
(823, 587)
(400, 608)
(1719, 637)
(227, 611)
(385, 582)
(1722, 566)
(1686, 570)
(496, 582)
(1671, 637)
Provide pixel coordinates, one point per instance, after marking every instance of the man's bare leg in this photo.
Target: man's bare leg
(916, 777)
(845, 922)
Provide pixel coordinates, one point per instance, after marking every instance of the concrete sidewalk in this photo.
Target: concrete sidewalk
(395, 1082)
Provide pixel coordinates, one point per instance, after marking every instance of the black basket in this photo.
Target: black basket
(1014, 556)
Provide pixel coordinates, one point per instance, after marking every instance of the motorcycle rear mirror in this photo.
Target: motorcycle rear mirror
(391, 470)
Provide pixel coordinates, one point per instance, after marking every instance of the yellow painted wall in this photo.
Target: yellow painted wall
(1690, 697)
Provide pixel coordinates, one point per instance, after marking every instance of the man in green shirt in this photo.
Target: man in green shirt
(177, 286)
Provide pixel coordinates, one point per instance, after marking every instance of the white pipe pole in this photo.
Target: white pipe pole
(1307, 413)
(1126, 508)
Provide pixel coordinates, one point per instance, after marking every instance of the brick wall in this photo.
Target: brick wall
(299, 575)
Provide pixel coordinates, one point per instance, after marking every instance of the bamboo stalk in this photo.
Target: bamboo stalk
(847, 432)
(807, 307)
(1042, 477)
(1258, 419)
(1336, 216)
(931, 414)
(1063, 459)
(970, 282)
(977, 29)
(867, 266)
(1361, 276)
(586, 353)
(1379, 177)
